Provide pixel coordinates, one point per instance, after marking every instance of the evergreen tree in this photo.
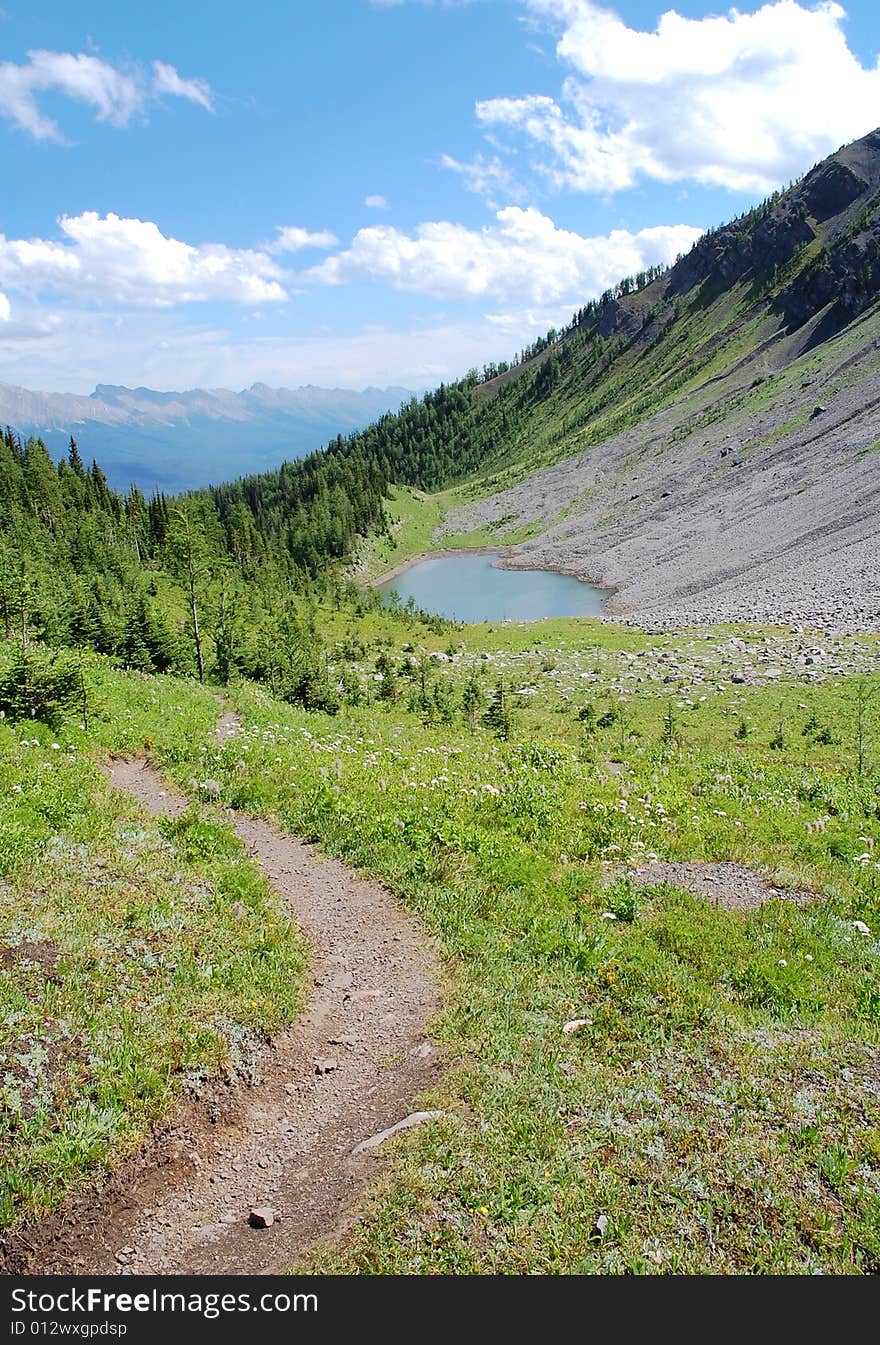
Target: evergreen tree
(191, 559)
(499, 716)
(472, 698)
(76, 462)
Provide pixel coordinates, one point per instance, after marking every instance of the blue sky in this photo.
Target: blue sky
(380, 191)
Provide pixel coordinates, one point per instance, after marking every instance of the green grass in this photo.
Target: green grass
(414, 518)
(720, 1108)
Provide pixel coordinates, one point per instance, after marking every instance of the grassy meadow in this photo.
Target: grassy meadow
(719, 1108)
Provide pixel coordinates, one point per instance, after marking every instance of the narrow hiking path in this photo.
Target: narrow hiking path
(350, 1067)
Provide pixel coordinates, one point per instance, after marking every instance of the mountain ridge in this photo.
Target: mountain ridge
(185, 440)
(708, 443)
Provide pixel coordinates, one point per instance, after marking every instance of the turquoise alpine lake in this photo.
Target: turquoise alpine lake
(470, 587)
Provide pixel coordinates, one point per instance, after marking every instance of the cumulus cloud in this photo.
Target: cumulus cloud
(744, 100)
(376, 202)
(522, 257)
(130, 261)
(524, 322)
(115, 95)
(291, 238)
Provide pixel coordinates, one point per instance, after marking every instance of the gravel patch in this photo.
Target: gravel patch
(731, 886)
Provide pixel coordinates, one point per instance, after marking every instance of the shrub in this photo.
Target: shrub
(39, 685)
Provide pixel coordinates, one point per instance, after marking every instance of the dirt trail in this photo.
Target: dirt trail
(350, 1067)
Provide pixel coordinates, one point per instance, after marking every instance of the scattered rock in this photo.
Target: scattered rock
(262, 1217)
(575, 1025)
(416, 1118)
(326, 1066)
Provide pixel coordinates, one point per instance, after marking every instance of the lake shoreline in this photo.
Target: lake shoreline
(505, 561)
(444, 553)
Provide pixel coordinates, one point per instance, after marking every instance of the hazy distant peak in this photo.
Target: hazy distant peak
(178, 440)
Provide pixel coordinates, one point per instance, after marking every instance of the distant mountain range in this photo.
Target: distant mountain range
(181, 440)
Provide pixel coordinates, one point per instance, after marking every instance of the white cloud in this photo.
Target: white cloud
(376, 202)
(523, 258)
(744, 101)
(525, 322)
(291, 238)
(167, 80)
(130, 261)
(114, 94)
(486, 177)
(15, 329)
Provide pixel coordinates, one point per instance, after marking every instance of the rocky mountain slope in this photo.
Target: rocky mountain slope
(712, 442)
(182, 440)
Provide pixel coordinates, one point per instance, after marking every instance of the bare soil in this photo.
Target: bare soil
(44, 955)
(291, 1140)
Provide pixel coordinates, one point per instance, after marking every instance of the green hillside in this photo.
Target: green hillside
(752, 310)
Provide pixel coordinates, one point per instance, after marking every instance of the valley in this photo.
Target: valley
(343, 935)
(705, 447)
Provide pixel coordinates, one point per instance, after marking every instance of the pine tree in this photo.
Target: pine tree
(226, 630)
(76, 462)
(498, 716)
(472, 699)
(190, 558)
